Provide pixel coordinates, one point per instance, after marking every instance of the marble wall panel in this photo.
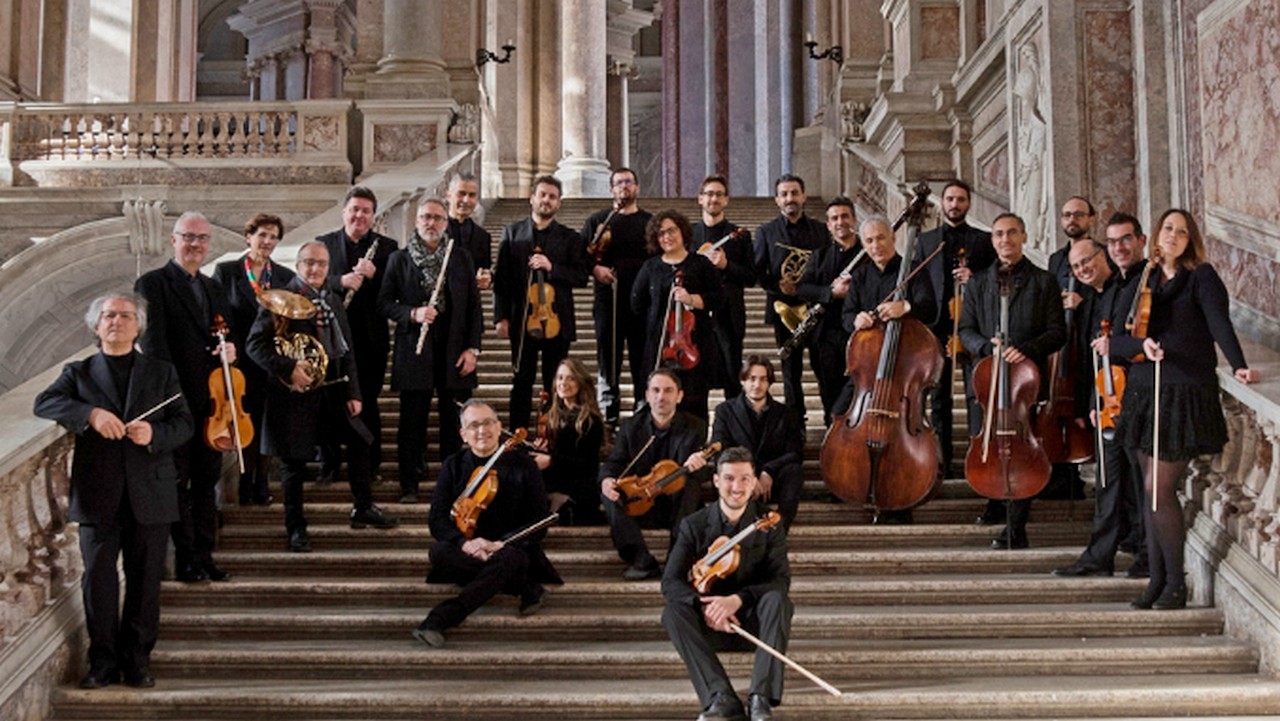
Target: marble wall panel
(400, 143)
(939, 33)
(1109, 110)
(994, 170)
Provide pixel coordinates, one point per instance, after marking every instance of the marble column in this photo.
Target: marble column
(618, 140)
(582, 167)
(411, 65)
(325, 50)
(671, 99)
(368, 46)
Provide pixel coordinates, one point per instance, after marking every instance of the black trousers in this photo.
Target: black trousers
(552, 351)
(793, 368)
(942, 408)
(1117, 510)
(631, 331)
(729, 334)
(667, 513)
(411, 437)
(371, 372)
(294, 472)
(828, 358)
(769, 620)
(506, 571)
(196, 530)
(122, 641)
(786, 491)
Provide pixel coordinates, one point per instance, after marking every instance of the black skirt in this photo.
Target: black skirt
(1191, 422)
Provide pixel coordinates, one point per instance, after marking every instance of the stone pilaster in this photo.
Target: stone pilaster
(582, 167)
(623, 22)
(411, 65)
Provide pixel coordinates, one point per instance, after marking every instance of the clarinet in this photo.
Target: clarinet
(373, 250)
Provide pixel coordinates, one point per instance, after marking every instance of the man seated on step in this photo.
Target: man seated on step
(655, 433)
(305, 406)
(753, 597)
(483, 564)
(773, 432)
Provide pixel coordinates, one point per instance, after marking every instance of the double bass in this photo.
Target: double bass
(1005, 460)
(1064, 440)
(882, 450)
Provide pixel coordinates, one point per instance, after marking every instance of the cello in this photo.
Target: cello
(882, 450)
(228, 426)
(481, 487)
(542, 322)
(678, 349)
(1064, 440)
(1005, 460)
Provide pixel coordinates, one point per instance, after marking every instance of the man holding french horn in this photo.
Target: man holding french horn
(302, 339)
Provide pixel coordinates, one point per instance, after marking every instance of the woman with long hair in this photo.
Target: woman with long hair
(569, 454)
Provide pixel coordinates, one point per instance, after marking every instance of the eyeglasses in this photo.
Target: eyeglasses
(667, 232)
(1077, 214)
(1126, 238)
(433, 218)
(474, 426)
(1085, 263)
(193, 238)
(714, 194)
(313, 262)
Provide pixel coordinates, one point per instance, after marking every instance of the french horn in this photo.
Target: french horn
(286, 305)
(791, 271)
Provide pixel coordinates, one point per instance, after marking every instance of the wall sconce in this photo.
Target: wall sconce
(483, 56)
(835, 52)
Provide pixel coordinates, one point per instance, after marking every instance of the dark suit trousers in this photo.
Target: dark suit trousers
(631, 331)
(667, 512)
(769, 620)
(294, 472)
(411, 438)
(506, 571)
(786, 491)
(196, 530)
(552, 352)
(371, 372)
(1117, 510)
(793, 368)
(828, 358)
(730, 340)
(115, 640)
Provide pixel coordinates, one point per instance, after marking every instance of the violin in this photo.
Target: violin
(599, 244)
(882, 450)
(1017, 467)
(725, 554)
(480, 489)
(708, 246)
(1109, 380)
(678, 349)
(955, 307)
(1064, 440)
(228, 426)
(1140, 312)
(637, 493)
(542, 434)
(542, 322)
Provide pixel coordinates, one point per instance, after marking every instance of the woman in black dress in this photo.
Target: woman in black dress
(242, 280)
(569, 456)
(700, 290)
(1188, 315)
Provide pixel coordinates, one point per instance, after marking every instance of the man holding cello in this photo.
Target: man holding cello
(751, 594)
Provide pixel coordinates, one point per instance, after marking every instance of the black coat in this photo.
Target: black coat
(978, 253)
(777, 442)
(738, 273)
(806, 233)
(369, 333)
(649, 300)
(569, 270)
(681, 438)
(178, 332)
(460, 323)
(575, 459)
(102, 471)
(244, 310)
(763, 566)
(476, 240)
(1036, 325)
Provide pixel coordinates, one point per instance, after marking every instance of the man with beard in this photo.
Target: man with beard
(463, 195)
(537, 245)
(733, 260)
(447, 364)
(615, 270)
(826, 283)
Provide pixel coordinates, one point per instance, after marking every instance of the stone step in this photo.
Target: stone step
(983, 697)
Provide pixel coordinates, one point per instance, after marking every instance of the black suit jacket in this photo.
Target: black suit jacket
(476, 240)
(1036, 325)
(178, 332)
(738, 273)
(780, 441)
(459, 325)
(102, 471)
(812, 235)
(978, 253)
(762, 568)
(369, 335)
(569, 269)
(244, 310)
(815, 287)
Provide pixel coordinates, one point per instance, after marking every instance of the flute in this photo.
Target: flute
(435, 294)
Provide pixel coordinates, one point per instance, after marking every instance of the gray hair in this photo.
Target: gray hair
(474, 403)
(189, 215)
(872, 219)
(94, 313)
(309, 243)
(463, 178)
(433, 199)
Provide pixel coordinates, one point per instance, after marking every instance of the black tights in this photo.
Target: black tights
(1166, 534)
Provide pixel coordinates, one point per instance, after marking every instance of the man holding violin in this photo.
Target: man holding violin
(540, 262)
(752, 594)
(737, 271)
(657, 432)
(483, 564)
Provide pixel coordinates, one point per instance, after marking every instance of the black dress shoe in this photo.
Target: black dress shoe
(1002, 542)
(759, 708)
(141, 678)
(1077, 569)
(1138, 571)
(372, 517)
(724, 708)
(191, 574)
(99, 678)
(1172, 598)
(531, 599)
(989, 519)
(214, 573)
(1148, 597)
(299, 542)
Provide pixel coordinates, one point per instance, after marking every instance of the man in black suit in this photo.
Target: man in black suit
(485, 565)
(966, 250)
(737, 271)
(183, 304)
(123, 483)
(301, 413)
(537, 244)
(358, 261)
(796, 235)
(463, 195)
(826, 283)
(447, 364)
(771, 430)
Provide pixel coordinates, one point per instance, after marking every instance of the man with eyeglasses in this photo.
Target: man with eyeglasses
(615, 270)
(303, 412)
(737, 271)
(485, 564)
(446, 365)
(183, 304)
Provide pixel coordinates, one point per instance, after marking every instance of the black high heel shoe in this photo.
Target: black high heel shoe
(1148, 597)
(1172, 598)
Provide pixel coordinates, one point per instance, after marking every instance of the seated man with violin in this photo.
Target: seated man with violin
(646, 455)
(314, 394)
(771, 430)
(483, 497)
(706, 598)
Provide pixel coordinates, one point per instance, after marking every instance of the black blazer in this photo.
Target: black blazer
(979, 255)
(685, 435)
(812, 235)
(244, 310)
(569, 269)
(815, 287)
(369, 334)
(1036, 325)
(780, 441)
(476, 240)
(649, 300)
(102, 471)
(178, 332)
(461, 321)
(763, 566)
(738, 273)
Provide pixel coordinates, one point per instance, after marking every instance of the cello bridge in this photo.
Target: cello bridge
(893, 415)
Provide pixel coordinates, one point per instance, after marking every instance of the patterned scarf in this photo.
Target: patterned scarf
(428, 261)
(266, 276)
(327, 328)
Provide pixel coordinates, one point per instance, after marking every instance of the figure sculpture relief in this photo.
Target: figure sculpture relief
(1031, 199)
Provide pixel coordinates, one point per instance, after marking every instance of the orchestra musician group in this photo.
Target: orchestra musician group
(883, 331)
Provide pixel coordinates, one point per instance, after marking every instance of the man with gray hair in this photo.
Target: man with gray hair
(183, 305)
(123, 484)
(463, 196)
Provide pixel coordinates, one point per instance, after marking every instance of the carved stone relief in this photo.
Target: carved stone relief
(1031, 192)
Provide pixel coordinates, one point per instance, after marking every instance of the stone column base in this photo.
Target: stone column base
(584, 177)
(394, 132)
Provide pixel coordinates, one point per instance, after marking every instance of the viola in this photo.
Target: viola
(228, 426)
(542, 322)
(481, 487)
(725, 554)
(637, 493)
(708, 246)
(678, 348)
(1064, 440)
(955, 307)
(1109, 381)
(1005, 460)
